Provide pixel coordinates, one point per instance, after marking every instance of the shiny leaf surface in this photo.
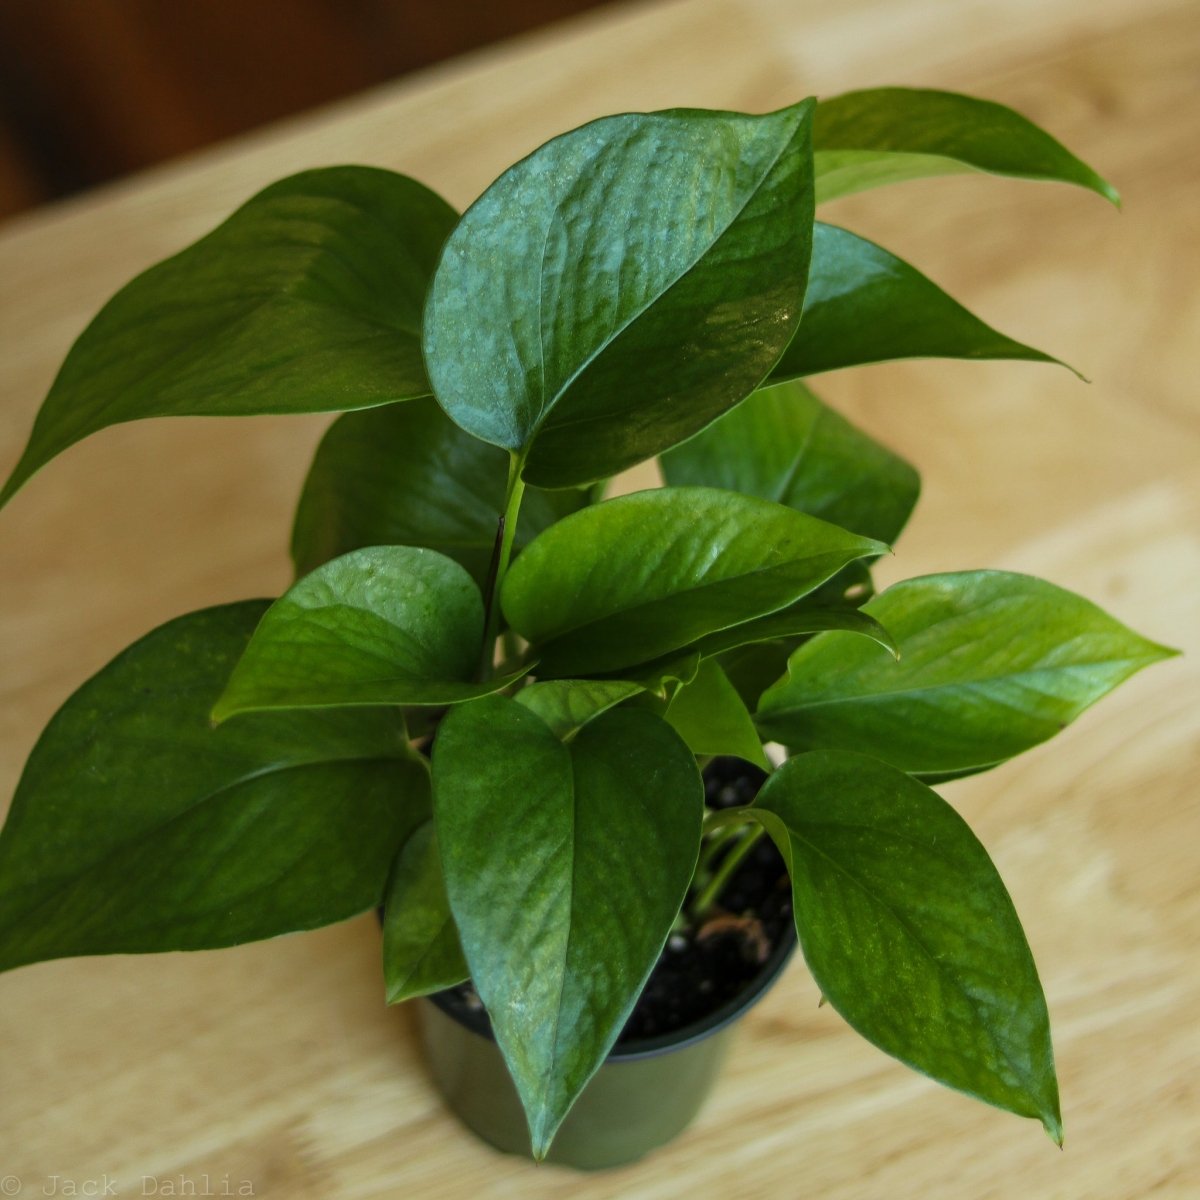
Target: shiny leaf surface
(908, 930)
(558, 858)
(136, 827)
(991, 663)
(307, 299)
(566, 705)
(886, 135)
(622, 286)
(631, 579)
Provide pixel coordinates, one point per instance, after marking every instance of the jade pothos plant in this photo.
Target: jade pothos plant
(482, 703)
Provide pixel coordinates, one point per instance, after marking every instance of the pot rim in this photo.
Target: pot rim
(478, 1023)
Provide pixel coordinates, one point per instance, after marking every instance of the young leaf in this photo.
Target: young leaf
(421, 951)
(710, 716)
(307, 299)
(385, 625)
(633, 578)
(622, 286)
(784, 445)
(887, 135)
(794, 622)
(136, 827)
(566, 705)
(865, 305)
(908, 930)
(556, 858)
(991, 664)
(406, 475)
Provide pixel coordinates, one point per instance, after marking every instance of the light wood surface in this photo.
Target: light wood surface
(277, 1064)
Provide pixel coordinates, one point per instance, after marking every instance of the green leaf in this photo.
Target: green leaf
(136, 827)
(753, 668)
(865, 305)
(710, 716)
(566, 705)
(386, 625)
(793, 622)
(633, 578)
(421, 951)
(406, 475)
(991, 664)
(307, 299)
(626, 283)
(558, 858)
(784, 445)
(908, 930)
(887, 135)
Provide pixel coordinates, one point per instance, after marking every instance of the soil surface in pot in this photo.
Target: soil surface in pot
(702, 969)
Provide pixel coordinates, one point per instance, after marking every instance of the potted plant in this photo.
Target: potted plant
(484, 705)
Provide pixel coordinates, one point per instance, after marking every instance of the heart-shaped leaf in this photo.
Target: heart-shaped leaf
(784, 445)
(711, 717)
(865, 305)
(385, 625)
(632, 279)
(556, 858)
(421, 951)
(307, 299)
(136, 827)
(908, 930)
(567, 705)
(406, 475)
(886, 135)
(991, 663)
(633, 578)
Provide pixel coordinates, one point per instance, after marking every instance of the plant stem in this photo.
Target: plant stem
(506, 532)
(730, 863)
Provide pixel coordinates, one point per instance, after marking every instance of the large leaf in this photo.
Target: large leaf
(137, 827)
(991, 664)
(385, 625)
(887, 135)
(565, 866)
(865, 305)
(405, 474)
(307, 299)
(784, 445)
(630, 579)
(908, 930)
(622, 286)
(713, 719)
(421, 951)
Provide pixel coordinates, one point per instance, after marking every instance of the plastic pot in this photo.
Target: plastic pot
(644, 1094)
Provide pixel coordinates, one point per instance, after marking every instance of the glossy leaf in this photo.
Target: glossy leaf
(711, 717)
(386, 625)
(991, 663)
(886, 135)
(421, 951)
(794, 622)
(865, 305)
(908, 930)
(633, 578)
(784, 445)
(307, 299)
(622, 286)
(406, 475)
(566, 705)
(558, 858)
(137, 827)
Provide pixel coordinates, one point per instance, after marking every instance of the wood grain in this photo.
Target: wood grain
(277, 1064)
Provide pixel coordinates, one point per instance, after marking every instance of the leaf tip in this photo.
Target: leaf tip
(1052, 1124)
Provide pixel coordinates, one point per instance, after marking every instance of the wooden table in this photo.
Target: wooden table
(277, 1064)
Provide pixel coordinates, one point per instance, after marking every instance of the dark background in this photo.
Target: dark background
(93, 89)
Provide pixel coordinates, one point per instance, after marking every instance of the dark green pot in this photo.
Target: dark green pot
(644, 1094)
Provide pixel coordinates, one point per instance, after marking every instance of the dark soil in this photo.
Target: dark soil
(700, 970)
